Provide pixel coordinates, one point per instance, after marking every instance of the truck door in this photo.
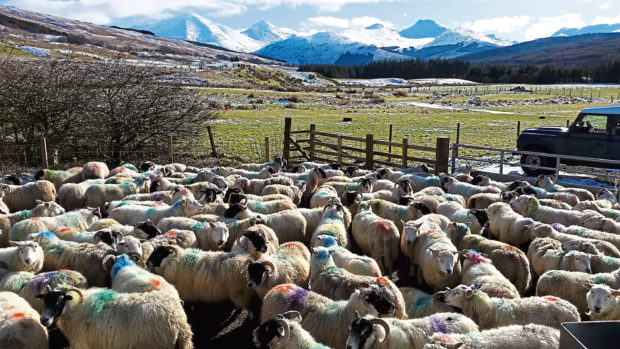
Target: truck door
(614, 137)
(589, 137)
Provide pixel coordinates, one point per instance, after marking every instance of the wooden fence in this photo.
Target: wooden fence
(313, 145)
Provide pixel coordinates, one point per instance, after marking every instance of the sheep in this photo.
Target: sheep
(506, 337)
(210, 236)
(314, 179)
(545, 230)
(257, 240)
(507, 225)
(594, 206)
(324, 318)
(509, 260)
(71, 195)
(79, 220)
(413, 229)
(355, 171)
(337, 283)
(477, 219)
(398, 213)
(478, 270)
(289, 225)
(436, 259)
(452, 186)
(22, 256)
(394, 193)
(256, 186)
(124, 170)
(97, 195)
(485, 181)
(602, 302)
(377, 237)
(489, 312)
(162, 196)
(127, 277)
(568, 285)
(181, 238)
(430, 191)
(24, 197)
(19, 324)
(284, 331)
(332, 224)
(294, 193)
(322, 196)
(132, 320)
(364, 185)
(546, 254)
(43, 209)
(483, 200)
(313, 217)
(555, 204)
(94, 170)
(345, 259)
(203, 276)
(132, 214)
(60, 177)
(290, 264)
(420, 304)
(547, 183)
(423, 180)
(267, 207)
(456, 232)
(372, 332)
(82, 257)
(463, 172)
(262, 174)
(4, 209)
(606, 198)
(277, 163)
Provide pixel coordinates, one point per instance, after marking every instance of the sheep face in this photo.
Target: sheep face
(110, 237)
(220, 182)
(456, 297)
(218, 233)
(600, 298)
(27, 251)
(259, 272)
(364, 334)
(405, 187)
(542, 231)
(234, 209)
(582, 246)
(480, 217)
(130, 245)
(158, 255)
(53, 305)
(522, 203)
(275, 332)
(366, 185)
(253, 239)
(190, 207)
(410, 232)
(335, 210)
(146, 230)
(607, 224)
(373, 301)
(50, 208)
(445, 260)
(508, 196)
(543, 181)
(321, 257)
(579, 261)
(327, 241)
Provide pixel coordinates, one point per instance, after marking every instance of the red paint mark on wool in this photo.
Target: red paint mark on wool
(78, 167)
(552, 299)
(510, 247)
(558, 201)
(66, 271)
(121, 169)
(475, 258)
(155, 285)
(19, 315)
(157, 202)
(446, 339)
(117, 178)
(384, 225)
(382, 280)
(171, 233)
(583, 211)
(34, 219)
(64, 230)
(283, 288)
(289, 244)
(432, 230)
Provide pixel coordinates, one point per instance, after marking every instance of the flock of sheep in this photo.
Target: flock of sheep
(313, 252)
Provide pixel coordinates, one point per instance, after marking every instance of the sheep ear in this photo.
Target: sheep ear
(14, 243)
(469, 293)
(586, 285)
(595, 257)
(438, 295)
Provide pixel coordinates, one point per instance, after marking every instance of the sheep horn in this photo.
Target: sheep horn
(78, 291)
(382, 323)
(134, 254)
(291, 314)
(268, 263)
(173, 251)
(46, 289)
(245, 264)
(105, 260)
(362, 285)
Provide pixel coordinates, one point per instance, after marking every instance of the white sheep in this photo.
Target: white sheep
(545, 230)
(283, 331)
(22, 256)
(343, 258)
(507, 225)
(454, 186)
(595, 206)
(313, 217)
(332, 224)
(24, 197)
(377, 237)
(132, 214)
(398, 213)
(98, 194)
(128, 277)
(489, 312)
(210, 236)
(389, 333)
(79, 220)
(483, 200)
(477, 219)
(478, 270)
(43, 209)
(546, 254)
(485, 181)
(421, 304)
(19, 324)
(323, 195)
(602, 302)
(506, 337)
(547, 182)
(256, 241)
(162, 196)
(277, 163)
(324, 318)
(132, 320)
(529, 206)
(435, 258)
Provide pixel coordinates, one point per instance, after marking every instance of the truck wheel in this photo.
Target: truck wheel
(536, 160)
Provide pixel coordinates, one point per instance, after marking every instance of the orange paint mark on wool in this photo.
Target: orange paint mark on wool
(289, 244)
(64, 230)
(158, 203)
(284, 288)
(583, 211)
(66, 271)
(19, 315)
(155, 285)
(171, 233)
(382, 280)
(78, 167)
(510, 247)
(121, 169)
(552, 299)
(34, 219)
(117, 178)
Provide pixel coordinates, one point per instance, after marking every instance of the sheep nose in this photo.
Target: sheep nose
(588, 270)
(597, 309)
(220, 242)
(251, 285)
(449, 271)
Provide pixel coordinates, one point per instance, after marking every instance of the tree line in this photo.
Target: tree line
(106, 108)
(607, 72)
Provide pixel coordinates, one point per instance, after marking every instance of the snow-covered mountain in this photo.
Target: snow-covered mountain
(423, 28)
(591, 29)
(266, 33)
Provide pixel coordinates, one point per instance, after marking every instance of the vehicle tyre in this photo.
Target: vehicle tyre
(537, 161)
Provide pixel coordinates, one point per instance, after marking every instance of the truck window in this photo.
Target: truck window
(592, 124)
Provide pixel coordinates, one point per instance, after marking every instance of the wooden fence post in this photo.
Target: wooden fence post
(170, 151)
(44, 162)
(390, 146)
(267, 149)
(369, 151)
(405, 149)
(518, 128)
(442, 155)
(286, 147)
(339, 149)
(312, 140)
(213, 152)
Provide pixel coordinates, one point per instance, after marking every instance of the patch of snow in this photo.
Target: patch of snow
(442, 82)
(374, 82)
(144, 54)
(447, 107)
(37, 51)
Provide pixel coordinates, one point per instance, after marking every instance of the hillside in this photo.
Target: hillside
(569, 51)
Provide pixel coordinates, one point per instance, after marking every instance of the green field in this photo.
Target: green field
(488, 117)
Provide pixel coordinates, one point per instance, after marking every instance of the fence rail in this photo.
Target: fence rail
(314, 145)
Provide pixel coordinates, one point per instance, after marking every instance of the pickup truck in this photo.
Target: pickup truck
(595, 133)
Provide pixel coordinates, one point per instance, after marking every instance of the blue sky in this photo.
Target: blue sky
(512, 19)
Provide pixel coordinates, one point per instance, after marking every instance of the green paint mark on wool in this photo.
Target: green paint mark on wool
(352, 186)
(17, 281)
(402, 211)
(151, 211)
(25, 214)
(53, 174)
(611, 261)
(438, 245)
(257, 207)
(197, 226)
(190, 257)
(332, 271)
(600, 279)
(101, 300)
(504, 305)
(57, 249)
(420, 304)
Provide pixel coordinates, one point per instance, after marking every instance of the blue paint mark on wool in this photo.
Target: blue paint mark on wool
(322, 255)
(432, 181)
(122, 261)
(46, 235)
(437, 324)
(151, 211)
(329, 241)
(258, 207)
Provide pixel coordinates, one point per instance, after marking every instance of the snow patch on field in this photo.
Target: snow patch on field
(447, 107)
(374, 82)
(441, 82)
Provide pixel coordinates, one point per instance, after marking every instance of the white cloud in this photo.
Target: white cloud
(605, 5)
(326, 22)
(546, 26)
(498, 24)
(606, 20)
(365, 21)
